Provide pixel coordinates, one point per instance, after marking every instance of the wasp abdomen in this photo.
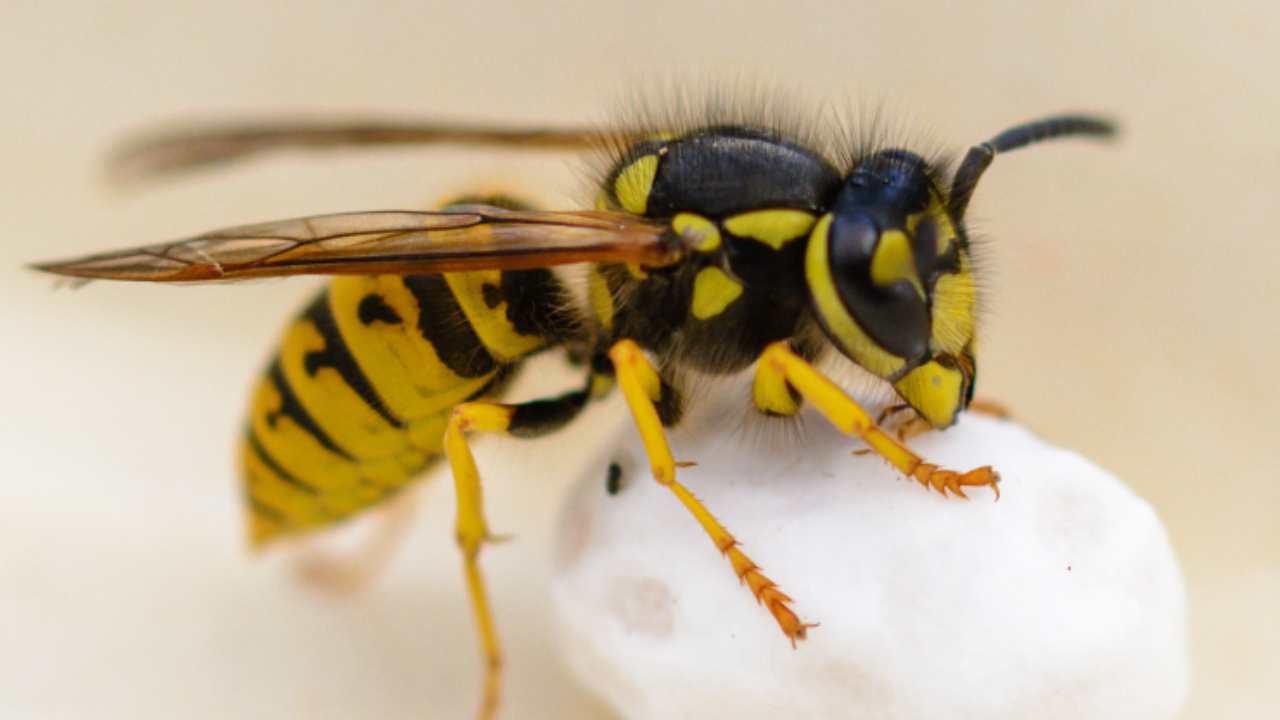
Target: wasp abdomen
(355, 403)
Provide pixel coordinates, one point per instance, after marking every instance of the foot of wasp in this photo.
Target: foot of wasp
(781, 370)
(914, 425)
(642, 387)
(909, 427)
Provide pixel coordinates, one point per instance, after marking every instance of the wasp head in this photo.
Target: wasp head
(891, 281)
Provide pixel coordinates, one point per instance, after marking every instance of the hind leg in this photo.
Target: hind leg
(528, 419)
(342, 572)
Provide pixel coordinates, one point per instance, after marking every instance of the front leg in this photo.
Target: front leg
(782, 374)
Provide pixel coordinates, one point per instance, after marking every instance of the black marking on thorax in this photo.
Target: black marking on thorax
(537, 304)
(720, 171)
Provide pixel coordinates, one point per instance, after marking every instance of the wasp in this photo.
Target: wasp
(716, 248)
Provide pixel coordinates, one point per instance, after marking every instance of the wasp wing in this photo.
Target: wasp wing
(187, 148)
(475, 237)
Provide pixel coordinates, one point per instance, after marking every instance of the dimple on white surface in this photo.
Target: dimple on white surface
(1062, 600)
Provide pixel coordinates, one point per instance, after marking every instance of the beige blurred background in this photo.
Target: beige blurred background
(1130, 317)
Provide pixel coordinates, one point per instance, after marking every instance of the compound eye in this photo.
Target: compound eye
(875, 273)
(866, 291)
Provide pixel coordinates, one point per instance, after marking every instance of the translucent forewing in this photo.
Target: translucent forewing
(395, 242)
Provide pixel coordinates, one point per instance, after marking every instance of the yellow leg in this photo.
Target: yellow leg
(779, 363)
(472, 531)
(642, 388)
(529, 419)
(911, 426)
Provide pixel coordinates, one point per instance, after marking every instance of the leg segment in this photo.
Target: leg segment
(352, 571)
(779, 364)
(642, 388)
(523, 420)
(915, 425)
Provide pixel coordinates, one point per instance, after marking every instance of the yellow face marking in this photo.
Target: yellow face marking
(893, 261)
(490, 323)
(934, 391)
(634, 183)
(600, 298)
(856, 343)
(953, 311)
(946, 229)
(701, 233)
(937, 211)
(774, 228)
(713, 291)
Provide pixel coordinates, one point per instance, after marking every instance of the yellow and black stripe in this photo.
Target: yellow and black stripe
(356, 401)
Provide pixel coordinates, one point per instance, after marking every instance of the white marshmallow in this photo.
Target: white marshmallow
(1062, 600)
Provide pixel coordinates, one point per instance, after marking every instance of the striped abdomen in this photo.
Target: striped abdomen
(355, 402)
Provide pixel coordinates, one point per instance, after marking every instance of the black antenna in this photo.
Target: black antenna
(980, 156)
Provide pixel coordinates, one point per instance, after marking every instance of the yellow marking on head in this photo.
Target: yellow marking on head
(713, 291)
(701, 233)
(774, 228)
(945, 228)
(893, 261)
(634, 183)
(600, 298)
(954, 301)
(934, 391)
(602, 201)
(839, 323)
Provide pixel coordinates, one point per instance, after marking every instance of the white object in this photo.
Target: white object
(1062, 600)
